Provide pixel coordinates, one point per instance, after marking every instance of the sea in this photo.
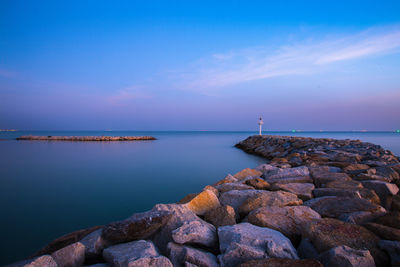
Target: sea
(48, 189)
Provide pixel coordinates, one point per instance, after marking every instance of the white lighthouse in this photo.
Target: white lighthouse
(260, 123)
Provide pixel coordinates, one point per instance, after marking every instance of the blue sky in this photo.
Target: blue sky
(199, 65)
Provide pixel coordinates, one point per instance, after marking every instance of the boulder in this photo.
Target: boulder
(268, 198)
(385, 232)
(393, 249)
(187, 198)
(228, 179)
(136, 253)
(287, 173)
(322, 178)
(345, 256)
(180, 215)
(235, 198)
(383, 189)
(391, 219)
(287, 220)
(196, 232)
(299, 179)
(372, 177)
(266, 168)
(335, 207)
(247, 172)
(302, 190)
(350, 184)
(359, 217)
(70, 256)
(203, 202)
(44, 260)
(222, 188)
(277, 262)
(221, 216)
(354, 168)
(188, 256)
(244, 241)
(306, 249)
(328, 233)
(94, 244)
(138, 226)
(387, 172)
(323, 192)
(258, 183)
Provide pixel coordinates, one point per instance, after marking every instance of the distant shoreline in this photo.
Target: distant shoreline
(85, 138)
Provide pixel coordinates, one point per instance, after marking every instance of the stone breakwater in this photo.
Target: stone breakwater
(315, 202)
(85, 138)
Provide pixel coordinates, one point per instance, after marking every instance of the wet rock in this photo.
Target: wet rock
(203, 202)
(138, 226)
(345, 256)
(268, 198)
(383, 189)
(306, 249)
(385, 232)
(136, 253)
(180, 255)
(235, 198)
(302, 190)
(277, 262)
(287, 220)
(221, 216)
(258, 183)
(244, 241)
(335, 207)
(196, 232)
(393, 249)
(232, 186)
(70, 256)
(328, 233)
(322, 178)
(65, 240)
(94, 244)
(180, 215)
(247, 172)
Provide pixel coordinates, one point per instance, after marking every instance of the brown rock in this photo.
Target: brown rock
(187, 198)
(278, 262)
(203, 202)
(356, 167)
(335, 207)
(247, 172)
(258, 183)
(287, 220)
(221, 216)
(228, 179)
(138, 226)
(391, 219)
(268, 198)
(65, 240)
(385, 232)
(70, 256)
(302, 190)
(344, 184)
(321, 178)
(222, 188)
(329, 233)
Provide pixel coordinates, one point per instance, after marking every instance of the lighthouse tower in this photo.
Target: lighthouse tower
(260, 123)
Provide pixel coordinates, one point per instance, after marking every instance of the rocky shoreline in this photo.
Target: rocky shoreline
(315, 202)
(85, 138)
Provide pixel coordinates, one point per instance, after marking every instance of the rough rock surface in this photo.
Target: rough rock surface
(70, 256)
(221, 216)
(203, 202)
(268, 198)
(393, 249)
(302, 190)
(189, 256)
(277, 262)
(135, 253)
(196, 232)
(94, 244)
(138, 226)
(258, 183)
(287, 220)
(246, 173)
(345, 256)
(385, 232)
(222, 188)
(245, 241)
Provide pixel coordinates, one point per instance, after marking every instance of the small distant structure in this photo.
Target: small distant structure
(260, 123)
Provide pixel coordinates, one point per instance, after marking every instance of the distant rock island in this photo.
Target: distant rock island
(86, 138)
(315, 202)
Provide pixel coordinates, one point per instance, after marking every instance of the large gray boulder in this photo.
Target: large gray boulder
(235, 198)
(70, 256)
(187, 256)
(135, 254)
(344, 256)
(244, 241)
(302, 190)
(287, 173)
(138, 226)
(196, 232)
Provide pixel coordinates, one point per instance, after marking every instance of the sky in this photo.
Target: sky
(199, 65)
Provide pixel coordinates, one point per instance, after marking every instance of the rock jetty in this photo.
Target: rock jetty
(315, 202)
(85, 138)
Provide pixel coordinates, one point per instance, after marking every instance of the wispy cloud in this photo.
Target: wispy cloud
(302, 58)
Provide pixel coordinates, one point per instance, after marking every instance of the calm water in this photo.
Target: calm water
(48, 189)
